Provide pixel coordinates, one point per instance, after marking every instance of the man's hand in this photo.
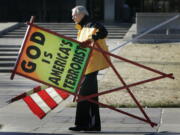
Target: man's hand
(88, 42)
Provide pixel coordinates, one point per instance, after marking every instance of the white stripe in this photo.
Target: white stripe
(54, 95)
(38, 100)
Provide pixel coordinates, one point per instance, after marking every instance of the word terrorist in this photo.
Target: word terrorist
(62, 63)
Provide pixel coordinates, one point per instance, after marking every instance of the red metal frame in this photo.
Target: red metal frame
(105, 54)
(123, 112)
(123, 87)
(128, 61)
(123, 82)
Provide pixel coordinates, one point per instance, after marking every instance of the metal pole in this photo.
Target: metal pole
(22, 46)
(146, 32)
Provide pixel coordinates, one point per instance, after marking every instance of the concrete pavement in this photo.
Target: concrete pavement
(17, 118)
(8, 26)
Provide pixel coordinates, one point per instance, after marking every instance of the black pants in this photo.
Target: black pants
(87, 113)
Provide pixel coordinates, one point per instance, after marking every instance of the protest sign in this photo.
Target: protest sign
(52, 59)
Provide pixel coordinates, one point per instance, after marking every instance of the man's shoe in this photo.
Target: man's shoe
(76, 128)
(93, 129)
(83, 129)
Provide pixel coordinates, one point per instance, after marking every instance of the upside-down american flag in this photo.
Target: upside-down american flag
(41, 100)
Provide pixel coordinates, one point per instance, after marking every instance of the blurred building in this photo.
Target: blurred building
(102, 10)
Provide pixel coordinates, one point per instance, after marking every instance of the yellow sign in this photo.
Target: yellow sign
(52, 59)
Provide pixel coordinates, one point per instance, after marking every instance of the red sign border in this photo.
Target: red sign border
(30, 25)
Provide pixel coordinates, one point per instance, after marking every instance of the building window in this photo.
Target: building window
(96, 9)
(44, 10)
(161, 6)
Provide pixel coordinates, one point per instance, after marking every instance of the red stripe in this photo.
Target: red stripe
(34, 107)
(47, 99)
(36, 89)
(63, 94)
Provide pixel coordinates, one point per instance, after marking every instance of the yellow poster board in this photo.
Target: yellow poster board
(52, 59)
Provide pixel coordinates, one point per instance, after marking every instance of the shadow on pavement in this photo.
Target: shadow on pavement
(133, 133)
(103, 132)
(164, 133)
(117, 132)
(21, 133)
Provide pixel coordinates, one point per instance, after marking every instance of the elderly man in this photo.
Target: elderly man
(87, 113)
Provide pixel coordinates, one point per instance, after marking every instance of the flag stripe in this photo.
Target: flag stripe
(63, 94)
(54, 95)
(40, 102)
(36, 89)
(34, 107)
(47, 99)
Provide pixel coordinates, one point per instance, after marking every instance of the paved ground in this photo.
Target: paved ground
(16, 119)
(4, 26)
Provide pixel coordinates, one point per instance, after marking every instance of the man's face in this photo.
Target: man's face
(77, 17)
